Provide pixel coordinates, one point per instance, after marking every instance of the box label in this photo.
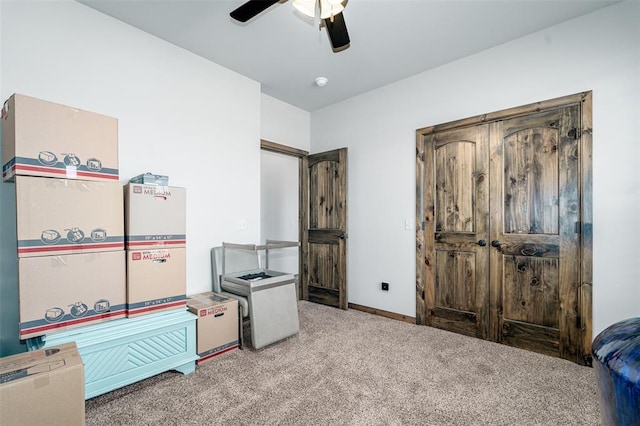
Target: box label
(214, 310)
(155, 256)
(157, 304)
(159, 240)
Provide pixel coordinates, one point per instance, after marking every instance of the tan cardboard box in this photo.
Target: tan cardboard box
(155, 216)
(217, 324)
(41, 138)
(62, 292)
(62, 216)
(156, 280)
(42, 387)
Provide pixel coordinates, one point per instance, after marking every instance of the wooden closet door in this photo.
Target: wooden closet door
(456, 207)
(534, 231)
(324, 220)
(520, 180)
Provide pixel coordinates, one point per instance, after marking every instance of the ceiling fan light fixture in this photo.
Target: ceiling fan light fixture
(328, 8)
(306, 7)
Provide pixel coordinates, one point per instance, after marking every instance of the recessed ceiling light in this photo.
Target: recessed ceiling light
(321, 81)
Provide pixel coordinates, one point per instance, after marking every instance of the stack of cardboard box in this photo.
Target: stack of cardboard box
(155, 241)
(70, 227)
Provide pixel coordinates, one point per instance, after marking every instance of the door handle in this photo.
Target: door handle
(482, 243)
(496, 243)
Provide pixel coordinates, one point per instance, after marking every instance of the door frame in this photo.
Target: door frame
(301, 156)
(585, 189)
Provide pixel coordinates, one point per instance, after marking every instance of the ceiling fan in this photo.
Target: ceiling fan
(330, 16)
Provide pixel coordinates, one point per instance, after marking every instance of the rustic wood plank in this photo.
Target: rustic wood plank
(455, 321)
(497, 205)
(314, 196)
(429, 254)
(282, 149)
(586, 243)
(441, 189)
(530, 248)
(507, 113)
(569, 205)
(325, 296)
(534, 338)
(532, 293)
(531, 181)
(304, 203)
(383, 313)
(456, 280)
(420, 233)
(324, 265)
(302, 226)
(325, 236)
(481, 227)
(328, 156)
(341, 214)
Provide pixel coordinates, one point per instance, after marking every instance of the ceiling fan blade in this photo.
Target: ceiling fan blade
(337, 30)
(251, 9)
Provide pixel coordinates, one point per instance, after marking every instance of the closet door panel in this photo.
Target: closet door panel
(456, 256)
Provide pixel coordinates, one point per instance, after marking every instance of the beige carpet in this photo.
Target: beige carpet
(353, 368)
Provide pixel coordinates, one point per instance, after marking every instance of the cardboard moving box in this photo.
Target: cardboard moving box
(43, 387)
(155, 216)
(41, 138)
(62, 216)
(217, 324)
(62, 292)
(156, 280)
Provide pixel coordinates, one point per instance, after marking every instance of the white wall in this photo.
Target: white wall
(287, 125)
(178, 114)
(599, 52)
(279, 207)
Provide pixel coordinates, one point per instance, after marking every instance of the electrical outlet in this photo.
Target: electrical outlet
(385, 286)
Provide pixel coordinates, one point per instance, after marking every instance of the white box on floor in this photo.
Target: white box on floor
(217, 324)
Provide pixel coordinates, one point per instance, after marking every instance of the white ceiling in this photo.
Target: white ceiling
(390, 39)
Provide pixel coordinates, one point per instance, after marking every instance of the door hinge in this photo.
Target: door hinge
(578, 226)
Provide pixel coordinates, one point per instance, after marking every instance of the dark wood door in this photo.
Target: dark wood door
(456, 207)
(535, 234)
(503, 236)
(324, 218)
